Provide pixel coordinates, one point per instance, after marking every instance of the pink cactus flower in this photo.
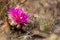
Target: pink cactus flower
(19, 15)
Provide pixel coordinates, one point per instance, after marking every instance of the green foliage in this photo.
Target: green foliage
(46, 28)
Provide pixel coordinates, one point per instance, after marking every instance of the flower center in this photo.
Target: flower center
(19, 18)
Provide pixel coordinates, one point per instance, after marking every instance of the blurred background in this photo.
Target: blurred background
(44, 20)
